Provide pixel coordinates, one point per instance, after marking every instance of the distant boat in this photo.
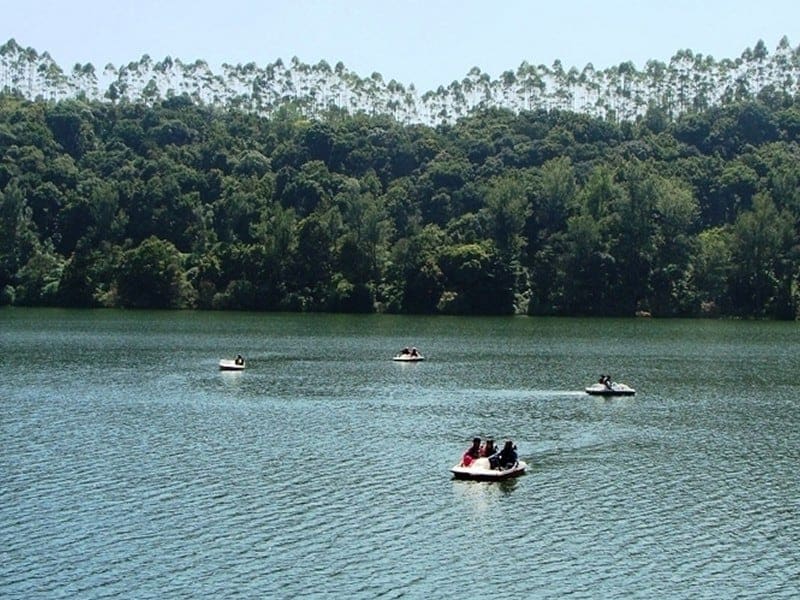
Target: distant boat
(408, 358)
(406, 355)
(232, 364)
(610, 389)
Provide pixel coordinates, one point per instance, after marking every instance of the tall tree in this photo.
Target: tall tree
(152, 275)
(765, 274)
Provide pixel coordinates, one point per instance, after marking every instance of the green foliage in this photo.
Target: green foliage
(38, 280)
(152, 275)
(173, 204)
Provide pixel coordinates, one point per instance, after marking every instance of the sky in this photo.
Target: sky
(425, 42)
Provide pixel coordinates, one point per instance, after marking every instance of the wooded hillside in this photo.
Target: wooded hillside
(177, 203)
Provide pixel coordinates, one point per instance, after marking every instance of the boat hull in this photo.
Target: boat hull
(230, 365)
(616, 389)
(408, 358)
(479, 471)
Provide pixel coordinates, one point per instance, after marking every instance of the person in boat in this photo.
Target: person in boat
(414, 352)
(606, 381)
(473, 452)
(506, 458)
(488, 448)
(239, 359)
(405, 351)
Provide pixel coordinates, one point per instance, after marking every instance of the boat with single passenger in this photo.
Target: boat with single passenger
(606, 387)
(232, 364)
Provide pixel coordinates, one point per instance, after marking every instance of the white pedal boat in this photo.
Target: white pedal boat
(232, 364)
(612, 389)
(408, 357)
(480, 470)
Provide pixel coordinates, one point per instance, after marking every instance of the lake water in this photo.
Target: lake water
(131, 467)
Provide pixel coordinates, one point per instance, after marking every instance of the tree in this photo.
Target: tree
(711, 267)
(764, 275)
(87, 276)
(475, 281)
(587, 274)
(152, 275)
(312, 270)
(508, 208)
(66, 122)
(18, 240)
(675, 216)
(39, 278)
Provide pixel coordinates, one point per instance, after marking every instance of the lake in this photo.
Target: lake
(131, 467)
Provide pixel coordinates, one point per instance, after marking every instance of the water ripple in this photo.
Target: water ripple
(155, 475)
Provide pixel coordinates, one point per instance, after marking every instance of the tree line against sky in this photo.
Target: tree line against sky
(175, 203)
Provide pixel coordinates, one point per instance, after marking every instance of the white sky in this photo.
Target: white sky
(424, 42)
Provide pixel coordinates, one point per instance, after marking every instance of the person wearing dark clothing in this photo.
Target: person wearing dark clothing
(507, 457)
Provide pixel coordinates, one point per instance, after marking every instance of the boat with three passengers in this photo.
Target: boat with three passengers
(485, 462)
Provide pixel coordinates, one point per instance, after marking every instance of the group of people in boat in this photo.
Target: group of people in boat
(412, 352)
(499, 458)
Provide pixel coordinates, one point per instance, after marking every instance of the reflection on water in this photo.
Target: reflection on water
(132, 467)
(482, 496)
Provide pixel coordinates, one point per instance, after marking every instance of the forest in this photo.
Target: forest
(177, 203)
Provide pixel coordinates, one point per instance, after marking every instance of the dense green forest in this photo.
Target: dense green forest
(180, 204)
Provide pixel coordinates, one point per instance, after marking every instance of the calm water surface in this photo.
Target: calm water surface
(130, 467)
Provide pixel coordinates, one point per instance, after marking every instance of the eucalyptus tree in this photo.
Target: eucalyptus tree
(703, 82)
(590, 88)
(759, 57)
(655, 74)
(56, 84)
(783, 66)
